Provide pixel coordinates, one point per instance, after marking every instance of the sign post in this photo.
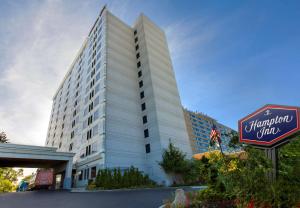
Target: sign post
(269, 128)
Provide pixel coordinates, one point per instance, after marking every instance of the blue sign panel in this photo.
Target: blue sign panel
(269, 125)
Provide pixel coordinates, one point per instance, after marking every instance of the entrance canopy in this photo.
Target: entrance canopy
(16, 155)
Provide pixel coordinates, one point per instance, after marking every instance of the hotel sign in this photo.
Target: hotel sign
(269, 125)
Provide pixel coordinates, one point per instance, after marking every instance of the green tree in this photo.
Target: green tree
(286, 189)
(9, 176)
(3, 138)
(174, 163)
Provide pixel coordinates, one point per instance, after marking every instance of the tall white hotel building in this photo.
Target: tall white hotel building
(118, 105)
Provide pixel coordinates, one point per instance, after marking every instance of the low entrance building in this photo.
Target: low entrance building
(27, 156)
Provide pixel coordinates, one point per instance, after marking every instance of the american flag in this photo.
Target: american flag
(215, 135)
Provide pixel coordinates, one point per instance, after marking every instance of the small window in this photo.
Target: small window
(140, 73)
(93, 172)
(88, 150)
(135, 32)
(142, 95)
(146, 133)
(136, 40)
(141, 84)
(59, 145)
(90, 120)
(138, 55)
(145, 120)
(71, 147)
(89, 134)
(138, 64)
(91, 106)
(143, 106)
(137, 47)
(148, 148)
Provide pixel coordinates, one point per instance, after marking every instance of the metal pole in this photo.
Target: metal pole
(272, 154)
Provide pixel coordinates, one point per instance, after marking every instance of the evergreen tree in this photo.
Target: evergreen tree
(174, 162)
(3, 138)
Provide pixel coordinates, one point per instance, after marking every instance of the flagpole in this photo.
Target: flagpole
(221, 147)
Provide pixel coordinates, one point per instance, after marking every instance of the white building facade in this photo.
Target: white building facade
(118, 105)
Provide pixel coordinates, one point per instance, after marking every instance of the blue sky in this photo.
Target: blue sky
(229, 57)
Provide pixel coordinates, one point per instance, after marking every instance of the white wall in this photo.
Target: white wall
(124, 134)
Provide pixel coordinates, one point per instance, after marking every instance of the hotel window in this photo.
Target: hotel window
(142, 95)
(138, 55)
(145, 120)
(91, 106)
(88, 150)
(71, 147)
(74, 113)
(89, 134)
(141, 84)
(90, 120)
(146, 133)
(73, 123)
(148, 148)
(143, 106)
(93, 172)
(91, 94)
(138, 64)
(140, 73)
(92, 83)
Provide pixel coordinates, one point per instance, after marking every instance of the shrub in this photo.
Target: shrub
(113, 179)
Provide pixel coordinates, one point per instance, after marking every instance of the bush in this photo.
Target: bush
(246, 180)
(113, 179)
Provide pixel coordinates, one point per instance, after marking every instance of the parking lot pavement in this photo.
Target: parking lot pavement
(62, 199)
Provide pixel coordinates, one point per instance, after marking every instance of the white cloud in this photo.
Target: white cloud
(187, 35)
(46, 41)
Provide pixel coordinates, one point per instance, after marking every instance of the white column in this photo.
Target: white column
(68, 175)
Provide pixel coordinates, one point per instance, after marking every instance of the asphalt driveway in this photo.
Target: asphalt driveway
(62, 199)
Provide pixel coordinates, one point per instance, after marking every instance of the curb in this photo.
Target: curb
(83, 190)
